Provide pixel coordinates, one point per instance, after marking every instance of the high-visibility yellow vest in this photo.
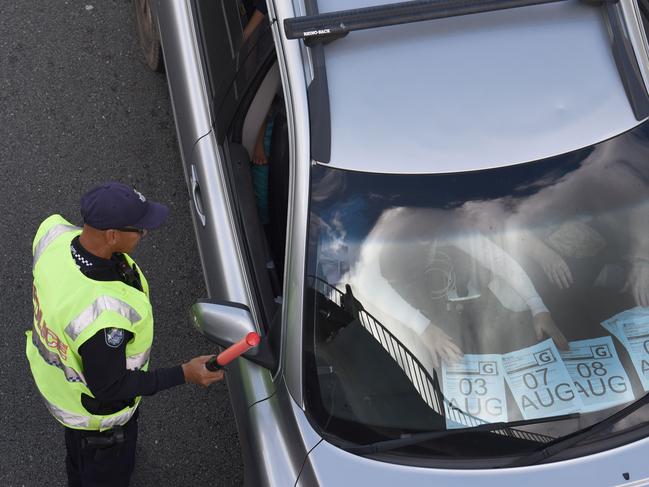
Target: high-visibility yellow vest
(70, 308)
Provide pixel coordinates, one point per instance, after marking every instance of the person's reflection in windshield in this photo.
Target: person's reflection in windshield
(588, 231)
(420, 270)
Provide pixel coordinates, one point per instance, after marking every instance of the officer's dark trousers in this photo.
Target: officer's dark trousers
(100, 467)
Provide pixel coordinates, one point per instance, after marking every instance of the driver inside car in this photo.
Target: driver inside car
(426, 267)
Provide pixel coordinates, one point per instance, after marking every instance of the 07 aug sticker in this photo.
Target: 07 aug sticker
(540, 382)
(474, 388)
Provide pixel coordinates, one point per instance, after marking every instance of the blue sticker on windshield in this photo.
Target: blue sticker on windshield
(597, 373)
(474, 387)
(540, 382)
(631, 327)
(612, 327)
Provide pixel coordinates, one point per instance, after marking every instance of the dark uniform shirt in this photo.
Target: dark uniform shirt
(104, 354)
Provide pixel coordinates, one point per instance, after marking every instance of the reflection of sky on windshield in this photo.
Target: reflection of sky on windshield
(610, 184)
(613, 177)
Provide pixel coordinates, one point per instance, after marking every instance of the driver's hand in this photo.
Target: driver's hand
(552, 264)
(638, 283)
(259, 155)
(440, 346)
(544, 326)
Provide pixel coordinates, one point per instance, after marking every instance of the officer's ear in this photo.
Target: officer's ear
(111, 236)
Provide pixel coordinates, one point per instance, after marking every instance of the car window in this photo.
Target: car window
(234, 52)
(257, 163)
(509, 295)
(220, 29)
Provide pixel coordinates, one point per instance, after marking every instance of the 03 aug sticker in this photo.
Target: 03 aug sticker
(474, 387)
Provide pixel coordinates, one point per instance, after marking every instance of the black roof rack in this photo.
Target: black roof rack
(333, 25)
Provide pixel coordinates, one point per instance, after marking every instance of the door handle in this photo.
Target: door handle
(197, 197)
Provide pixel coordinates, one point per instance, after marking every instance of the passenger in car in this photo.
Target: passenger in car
(259, 13)
(418, 260)
(270, 177)
(587, 232)
(259, 168)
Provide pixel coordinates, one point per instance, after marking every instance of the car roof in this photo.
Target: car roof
(473, 92)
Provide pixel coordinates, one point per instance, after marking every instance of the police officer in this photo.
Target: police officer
(93, 329)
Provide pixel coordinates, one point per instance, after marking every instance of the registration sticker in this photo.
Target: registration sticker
(474, 387)
(540, 382)
(612, 325)
(597, 373)
(631, 327)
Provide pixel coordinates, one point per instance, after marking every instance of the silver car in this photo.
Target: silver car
(436, 214)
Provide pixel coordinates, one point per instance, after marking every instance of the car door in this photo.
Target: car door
(234, 68)
(213, 74)
(208, 70)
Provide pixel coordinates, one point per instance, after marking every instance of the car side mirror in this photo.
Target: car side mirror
(225, 323)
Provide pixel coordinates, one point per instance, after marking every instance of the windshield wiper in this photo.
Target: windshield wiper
(566, 442)
(414, 439)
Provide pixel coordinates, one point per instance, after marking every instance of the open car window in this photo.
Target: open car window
(237, 42)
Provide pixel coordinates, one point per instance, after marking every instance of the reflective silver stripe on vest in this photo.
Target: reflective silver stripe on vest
(72, 419)
(137, 362)
(118, 420)
(66, 417)
(49, 237)
(52, 358)
(92, 312)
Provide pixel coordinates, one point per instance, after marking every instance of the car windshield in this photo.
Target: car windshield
(515, 295)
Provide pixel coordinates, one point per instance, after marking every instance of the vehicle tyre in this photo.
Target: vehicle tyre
(147, 30)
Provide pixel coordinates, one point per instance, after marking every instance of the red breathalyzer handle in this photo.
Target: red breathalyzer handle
(252, 339)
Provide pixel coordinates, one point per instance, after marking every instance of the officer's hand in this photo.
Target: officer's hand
(196, 373)
(544, 326)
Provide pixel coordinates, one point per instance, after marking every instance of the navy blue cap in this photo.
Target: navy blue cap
(116, 205)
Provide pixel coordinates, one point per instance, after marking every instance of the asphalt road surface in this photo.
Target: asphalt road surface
(78, 107)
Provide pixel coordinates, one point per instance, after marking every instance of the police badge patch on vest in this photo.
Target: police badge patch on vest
(114, 336)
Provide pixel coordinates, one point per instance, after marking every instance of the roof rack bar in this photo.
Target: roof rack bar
(323, 27)
(318, 99)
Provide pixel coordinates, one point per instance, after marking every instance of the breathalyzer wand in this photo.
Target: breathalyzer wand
(219, 361)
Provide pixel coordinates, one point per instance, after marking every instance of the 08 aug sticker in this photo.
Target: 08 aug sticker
(474, 387)
(540, 382)
(597, 373)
